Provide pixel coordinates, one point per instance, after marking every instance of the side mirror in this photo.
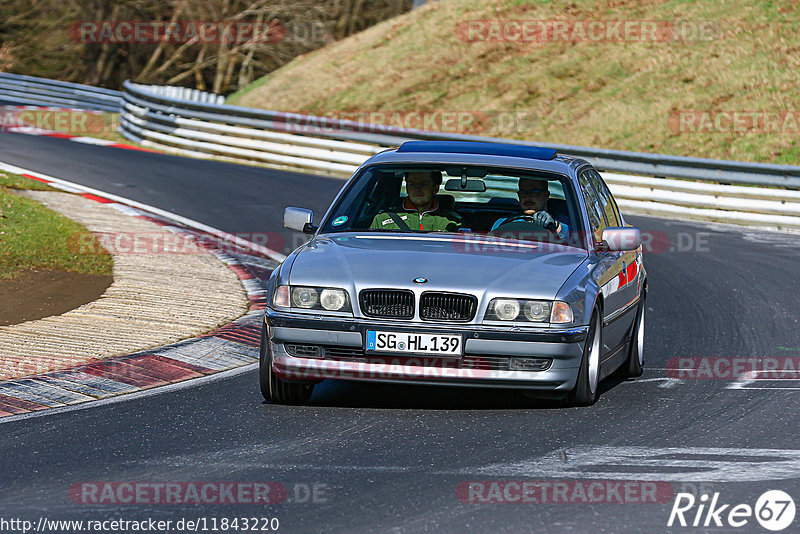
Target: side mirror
(621, 239)
(299, 220)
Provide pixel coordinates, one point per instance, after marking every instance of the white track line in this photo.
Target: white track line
(666, 383)
(72, 187)
(751, 377)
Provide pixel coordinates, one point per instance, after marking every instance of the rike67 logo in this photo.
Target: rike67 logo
(774, 510)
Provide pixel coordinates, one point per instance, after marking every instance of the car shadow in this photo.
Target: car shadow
(352, 394)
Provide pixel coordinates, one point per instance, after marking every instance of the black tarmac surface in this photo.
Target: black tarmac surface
(390, 458)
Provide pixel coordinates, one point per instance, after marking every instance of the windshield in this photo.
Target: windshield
(469, 200)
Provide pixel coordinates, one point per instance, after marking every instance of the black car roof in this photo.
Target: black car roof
(483, 154)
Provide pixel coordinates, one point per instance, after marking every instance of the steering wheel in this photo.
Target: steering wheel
(520, 223)
(525, 224)
(521, 218)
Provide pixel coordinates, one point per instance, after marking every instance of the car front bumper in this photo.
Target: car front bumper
(489, 346)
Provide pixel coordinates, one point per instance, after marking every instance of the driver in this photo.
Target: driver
(533, 195)
(420, 210)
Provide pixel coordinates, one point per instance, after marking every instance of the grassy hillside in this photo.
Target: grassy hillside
(623, 95)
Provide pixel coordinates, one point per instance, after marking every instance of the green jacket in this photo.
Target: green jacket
(402, 218)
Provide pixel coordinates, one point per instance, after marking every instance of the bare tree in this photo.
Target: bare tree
(294, 27)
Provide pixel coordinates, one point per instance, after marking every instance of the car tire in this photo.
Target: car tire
(635, 364)
(273, 388)
(585, 391)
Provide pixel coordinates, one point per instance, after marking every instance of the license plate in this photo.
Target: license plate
(412, 343)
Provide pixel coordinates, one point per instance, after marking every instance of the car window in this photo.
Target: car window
(594, 207)
(620, 222)
(502, 186)
(382, 190)
(606, 200)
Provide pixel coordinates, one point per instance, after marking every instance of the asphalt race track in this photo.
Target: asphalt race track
(368, 457)
(235, 198)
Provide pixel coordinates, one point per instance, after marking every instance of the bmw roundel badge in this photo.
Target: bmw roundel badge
(420, 280)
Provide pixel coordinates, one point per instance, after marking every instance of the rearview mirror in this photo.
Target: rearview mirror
(471, 186)
(299, 220)
(621, 238)
(471, 172)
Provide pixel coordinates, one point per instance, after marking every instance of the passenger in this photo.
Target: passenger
(533, 195)
(420, 210)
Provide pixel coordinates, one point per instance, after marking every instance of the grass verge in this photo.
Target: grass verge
(34, 237)
(15, 181)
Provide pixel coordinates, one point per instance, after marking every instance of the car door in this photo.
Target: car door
(610, 273)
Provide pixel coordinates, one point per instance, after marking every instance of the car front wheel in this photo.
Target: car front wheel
(273, 388)
(585, 391)
(635, 363)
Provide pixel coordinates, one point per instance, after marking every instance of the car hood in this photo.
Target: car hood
(458, 263)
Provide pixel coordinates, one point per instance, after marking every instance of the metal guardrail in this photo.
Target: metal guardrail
(720, 171)
(198, 124)
(703, 201)
(185, 93)
(30, 91)
(201, 129)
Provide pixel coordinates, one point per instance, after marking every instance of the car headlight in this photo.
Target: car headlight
(312, 298)
(529, 311)
(304, 297)
(333, 299)
(505, 309)
(537, 311)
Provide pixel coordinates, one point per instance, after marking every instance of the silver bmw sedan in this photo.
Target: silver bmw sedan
(460, 264)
